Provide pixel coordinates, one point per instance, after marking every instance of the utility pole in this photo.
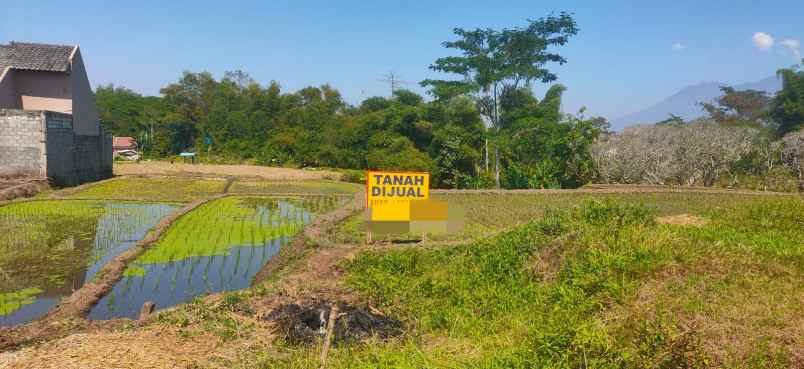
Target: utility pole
(393, 79)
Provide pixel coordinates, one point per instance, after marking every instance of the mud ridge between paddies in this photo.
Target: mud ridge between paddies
(21, 188)
(268, 173)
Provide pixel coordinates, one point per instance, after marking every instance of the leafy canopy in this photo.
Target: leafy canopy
(511, 56)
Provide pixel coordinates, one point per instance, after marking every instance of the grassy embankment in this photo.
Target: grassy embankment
(596, 285)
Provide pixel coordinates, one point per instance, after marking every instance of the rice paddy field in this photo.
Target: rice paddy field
(50, 248)
(570, 279)
(297, 187)
(217, 247)
(153, 189)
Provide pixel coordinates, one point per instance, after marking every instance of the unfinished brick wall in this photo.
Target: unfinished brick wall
(44, 143)
(74, 159)
(22, 142)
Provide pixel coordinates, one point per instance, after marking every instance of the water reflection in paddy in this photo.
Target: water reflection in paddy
(48, 249)
(218, 247)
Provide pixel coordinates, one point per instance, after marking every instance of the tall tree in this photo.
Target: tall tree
(788, 106)
(494, 61)
(745, 107)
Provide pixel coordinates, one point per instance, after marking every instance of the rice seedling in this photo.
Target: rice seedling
(11, 301)
(219, 246)
(294, 187)
(153, 189)
(50, 248)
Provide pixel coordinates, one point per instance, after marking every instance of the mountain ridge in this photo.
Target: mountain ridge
(684, 103)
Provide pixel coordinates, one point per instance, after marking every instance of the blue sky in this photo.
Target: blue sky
(627, 56)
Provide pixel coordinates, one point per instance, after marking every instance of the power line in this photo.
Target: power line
(394, 80)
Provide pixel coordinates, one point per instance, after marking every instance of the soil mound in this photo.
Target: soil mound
(683, 220)
(12, 188)
(307, 323)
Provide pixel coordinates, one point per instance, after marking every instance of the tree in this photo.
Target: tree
(788, 105)
(672, 120)
(747, 107)
(693, 153)
(793, 155)
(495, 61)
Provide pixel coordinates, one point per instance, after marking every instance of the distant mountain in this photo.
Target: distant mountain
(685, 102)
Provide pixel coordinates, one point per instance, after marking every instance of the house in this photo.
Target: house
(49, 125)
(125, 148)
(123, 143)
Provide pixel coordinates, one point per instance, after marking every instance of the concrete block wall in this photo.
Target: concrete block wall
(44, 143)
(60, 161)
(22, 142)
(75, 159)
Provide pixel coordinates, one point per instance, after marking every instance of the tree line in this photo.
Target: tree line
(484, 128)
(748, 139)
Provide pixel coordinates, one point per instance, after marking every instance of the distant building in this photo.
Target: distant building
(125, 148)
(123, 144)
(49, 122)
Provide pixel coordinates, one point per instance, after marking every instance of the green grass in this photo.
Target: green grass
(294, 187)
(488, 213)
(597, 285)
(12, 301)
(153, 189)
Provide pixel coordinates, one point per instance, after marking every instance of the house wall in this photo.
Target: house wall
(56, 85)
(8, 96)
(85, 111)
(22, 142)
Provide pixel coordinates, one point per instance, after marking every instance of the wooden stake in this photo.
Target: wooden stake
(333, 315)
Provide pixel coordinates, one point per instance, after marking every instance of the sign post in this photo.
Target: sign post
(389, 196)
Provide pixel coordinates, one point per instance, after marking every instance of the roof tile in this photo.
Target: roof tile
(31, 56)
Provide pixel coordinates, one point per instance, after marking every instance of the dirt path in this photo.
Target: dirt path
(273, 173)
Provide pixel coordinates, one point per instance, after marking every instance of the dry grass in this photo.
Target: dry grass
(17, 186)
(739, 313)
(682, 220)
(272, 173)
(156, 347)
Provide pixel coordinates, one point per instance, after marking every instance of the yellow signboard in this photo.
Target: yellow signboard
(389, 194)
(399, 203)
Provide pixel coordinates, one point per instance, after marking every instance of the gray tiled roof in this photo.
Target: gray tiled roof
(21, 55)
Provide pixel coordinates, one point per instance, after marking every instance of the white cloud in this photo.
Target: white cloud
(794, 46)
(762, 40)
(678, 46)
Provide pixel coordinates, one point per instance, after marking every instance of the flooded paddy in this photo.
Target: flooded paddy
(217, 247)
(48, 249)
